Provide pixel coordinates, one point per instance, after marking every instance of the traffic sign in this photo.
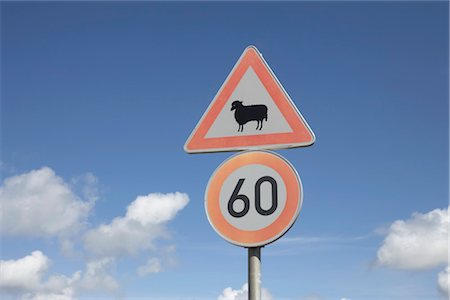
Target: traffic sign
(253, 198)
(251, 111)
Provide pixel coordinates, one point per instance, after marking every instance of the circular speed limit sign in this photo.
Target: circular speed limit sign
(253, 198)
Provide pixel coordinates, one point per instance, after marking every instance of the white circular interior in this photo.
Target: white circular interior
(251, 174)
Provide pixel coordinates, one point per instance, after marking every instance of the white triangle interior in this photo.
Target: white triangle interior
(250, 91)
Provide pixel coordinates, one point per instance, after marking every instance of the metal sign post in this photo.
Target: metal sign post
(254, 273)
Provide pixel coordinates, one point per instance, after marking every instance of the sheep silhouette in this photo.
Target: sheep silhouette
(247, 113)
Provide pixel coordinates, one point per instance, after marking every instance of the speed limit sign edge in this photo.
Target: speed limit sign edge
(276, 229)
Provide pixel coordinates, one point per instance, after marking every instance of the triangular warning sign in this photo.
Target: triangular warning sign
(251, 111)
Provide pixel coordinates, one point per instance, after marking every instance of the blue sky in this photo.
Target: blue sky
(105, 94)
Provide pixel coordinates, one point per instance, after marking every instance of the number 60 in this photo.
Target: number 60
(235, 196)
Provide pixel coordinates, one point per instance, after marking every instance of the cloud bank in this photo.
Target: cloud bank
(40, 204)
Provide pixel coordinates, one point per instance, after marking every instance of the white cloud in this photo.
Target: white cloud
(23, 274)
(152, 266)
(86, 185)
(444, 282)
(67, 247)
(143, 223)
(156, 208)
(312, 297)
(97, 276)
(242, 294)
(317, 297)
(66, 294)
(24, 278)
(418, 243)
(166, 258)
(39, 203)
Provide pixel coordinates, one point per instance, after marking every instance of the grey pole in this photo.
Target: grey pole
(254, 273)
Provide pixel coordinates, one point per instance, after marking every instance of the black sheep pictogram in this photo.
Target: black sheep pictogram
(247, 113)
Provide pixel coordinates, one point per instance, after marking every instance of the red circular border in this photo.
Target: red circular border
(270, 233)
